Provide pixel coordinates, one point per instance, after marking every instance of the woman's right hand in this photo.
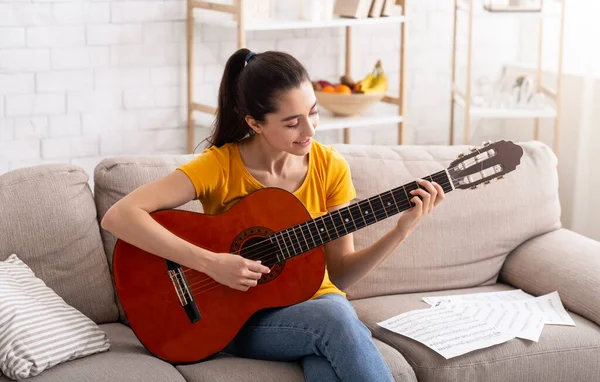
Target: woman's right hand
(236, 271)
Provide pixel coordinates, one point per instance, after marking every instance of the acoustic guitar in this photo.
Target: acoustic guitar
(183, 316)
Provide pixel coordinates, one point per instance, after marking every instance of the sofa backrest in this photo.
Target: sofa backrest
(462, 244)
(116, 177)
(465, 240)
(48, 219)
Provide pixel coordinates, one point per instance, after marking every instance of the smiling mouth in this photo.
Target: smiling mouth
(303, 142)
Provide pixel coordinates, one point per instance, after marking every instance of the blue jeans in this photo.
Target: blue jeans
(324, 334)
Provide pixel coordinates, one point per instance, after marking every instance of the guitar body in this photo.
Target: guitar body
(149, 295)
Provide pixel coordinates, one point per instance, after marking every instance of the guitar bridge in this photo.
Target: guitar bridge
(182, 289)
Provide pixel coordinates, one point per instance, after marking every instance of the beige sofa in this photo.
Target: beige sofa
(507, 235)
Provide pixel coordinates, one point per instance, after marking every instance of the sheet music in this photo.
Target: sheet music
(509, 295)
(447, 331)
(455, 325)
(505, 317)
(548, 305)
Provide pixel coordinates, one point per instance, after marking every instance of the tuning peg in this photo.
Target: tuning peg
(487, 143)
(486, 182)
(500, 177)
(473, 187)
(473, 149)
(461, 155)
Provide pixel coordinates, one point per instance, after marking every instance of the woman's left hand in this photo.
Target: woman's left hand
(430, 197)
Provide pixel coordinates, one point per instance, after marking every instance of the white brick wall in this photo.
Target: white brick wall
(35, 104)
(12, 37)
(83, 80)
(58, 36)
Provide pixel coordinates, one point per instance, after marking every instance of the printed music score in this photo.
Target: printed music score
(458, 324)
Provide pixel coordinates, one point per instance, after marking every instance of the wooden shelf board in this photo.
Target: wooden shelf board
(496, 112)
(224, 20)
(480, 11)
(380, 114)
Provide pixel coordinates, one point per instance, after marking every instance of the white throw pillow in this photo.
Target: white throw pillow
(38, 329)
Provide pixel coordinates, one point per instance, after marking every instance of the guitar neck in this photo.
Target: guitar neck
(303, 237)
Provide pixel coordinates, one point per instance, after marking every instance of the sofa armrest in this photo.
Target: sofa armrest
(560, 260)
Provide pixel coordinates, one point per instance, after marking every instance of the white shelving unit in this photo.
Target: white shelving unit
(390, 110)
(462, 98)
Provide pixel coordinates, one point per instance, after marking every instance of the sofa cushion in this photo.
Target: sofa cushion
(39, 330)
(48, 217)
(563, 353)
(225, 368)
(116, 177)
(465, 240)
(127, 360)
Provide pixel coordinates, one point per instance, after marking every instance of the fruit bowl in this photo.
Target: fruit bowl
(347, 105)
(348, 97)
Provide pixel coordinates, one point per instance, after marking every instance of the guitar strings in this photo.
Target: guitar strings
(263, 244)
(197, 286)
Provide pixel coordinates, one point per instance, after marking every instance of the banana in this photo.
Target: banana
(379, 85)
(365, 83)
(379, 82)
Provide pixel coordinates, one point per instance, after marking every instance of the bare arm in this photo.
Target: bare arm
(129, 219)
(346, 266)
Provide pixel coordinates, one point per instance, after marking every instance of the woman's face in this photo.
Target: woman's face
(292, 127)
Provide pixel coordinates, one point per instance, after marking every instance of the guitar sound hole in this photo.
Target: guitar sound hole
(251, 244)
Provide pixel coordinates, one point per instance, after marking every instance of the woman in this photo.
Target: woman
(266, 119)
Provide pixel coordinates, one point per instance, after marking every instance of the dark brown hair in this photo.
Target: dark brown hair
(252, 89)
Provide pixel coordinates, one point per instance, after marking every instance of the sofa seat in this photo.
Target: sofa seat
(563, 353)
(126, 360)
(226, 368)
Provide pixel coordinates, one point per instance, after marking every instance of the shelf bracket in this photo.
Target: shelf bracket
(392, 100)
(204, 108)
(549, 92)
(458, 91)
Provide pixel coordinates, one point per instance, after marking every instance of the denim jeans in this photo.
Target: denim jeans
(324, 334)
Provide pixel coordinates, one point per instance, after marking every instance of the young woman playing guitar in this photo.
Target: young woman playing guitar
(265, 123)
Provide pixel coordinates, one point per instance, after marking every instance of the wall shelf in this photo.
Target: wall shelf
(548, 111)
(480, 12)
(379, 114)
(389, 111)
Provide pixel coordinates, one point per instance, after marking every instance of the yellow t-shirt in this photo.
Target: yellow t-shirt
(221, 180)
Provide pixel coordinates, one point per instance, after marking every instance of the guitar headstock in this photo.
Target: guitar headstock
(483, 164)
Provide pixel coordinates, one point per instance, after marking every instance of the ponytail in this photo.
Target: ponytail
(250, 85)
(227, 111)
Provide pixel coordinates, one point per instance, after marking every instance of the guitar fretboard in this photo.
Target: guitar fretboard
(316, 232)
